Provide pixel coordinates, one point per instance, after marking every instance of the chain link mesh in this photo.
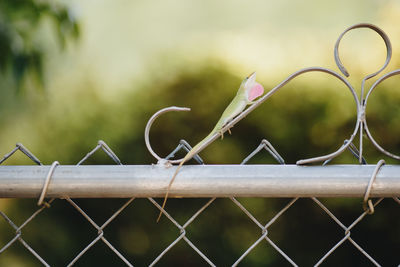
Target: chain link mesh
(182, 227)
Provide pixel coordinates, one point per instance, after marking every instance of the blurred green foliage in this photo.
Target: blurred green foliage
(22, 53)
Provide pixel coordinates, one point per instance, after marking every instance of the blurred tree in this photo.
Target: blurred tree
(20, 54)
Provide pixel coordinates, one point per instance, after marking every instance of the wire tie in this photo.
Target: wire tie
(367, 203)
(47, 182)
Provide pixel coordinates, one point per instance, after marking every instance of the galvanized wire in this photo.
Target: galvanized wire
(347, 233)
(182, 233)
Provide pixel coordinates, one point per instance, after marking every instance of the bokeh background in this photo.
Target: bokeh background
(74, 72)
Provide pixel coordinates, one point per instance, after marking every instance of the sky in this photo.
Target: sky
(126, 40)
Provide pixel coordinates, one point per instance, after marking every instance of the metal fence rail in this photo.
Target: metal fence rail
(200, 181)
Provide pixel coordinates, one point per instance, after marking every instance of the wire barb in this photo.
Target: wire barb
(24, 150)
(183, 144)
(353, 149)
(265, 144)
(101, 144)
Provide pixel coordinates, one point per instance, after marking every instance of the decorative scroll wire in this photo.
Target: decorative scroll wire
(360, 102)
(361, 115)
(381, 79)
(254, 106)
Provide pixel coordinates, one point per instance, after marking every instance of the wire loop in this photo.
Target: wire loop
(367, 203)
(47, 182)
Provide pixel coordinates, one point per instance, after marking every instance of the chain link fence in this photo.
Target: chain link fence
(369, 232)
(182, 227)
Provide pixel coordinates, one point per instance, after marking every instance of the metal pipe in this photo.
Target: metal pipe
(109, 181)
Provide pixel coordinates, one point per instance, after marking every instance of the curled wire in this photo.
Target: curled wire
(47, 182)
(344, 71)
(148, 127)
(377, 30)
(367, 203)
(375, 143)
